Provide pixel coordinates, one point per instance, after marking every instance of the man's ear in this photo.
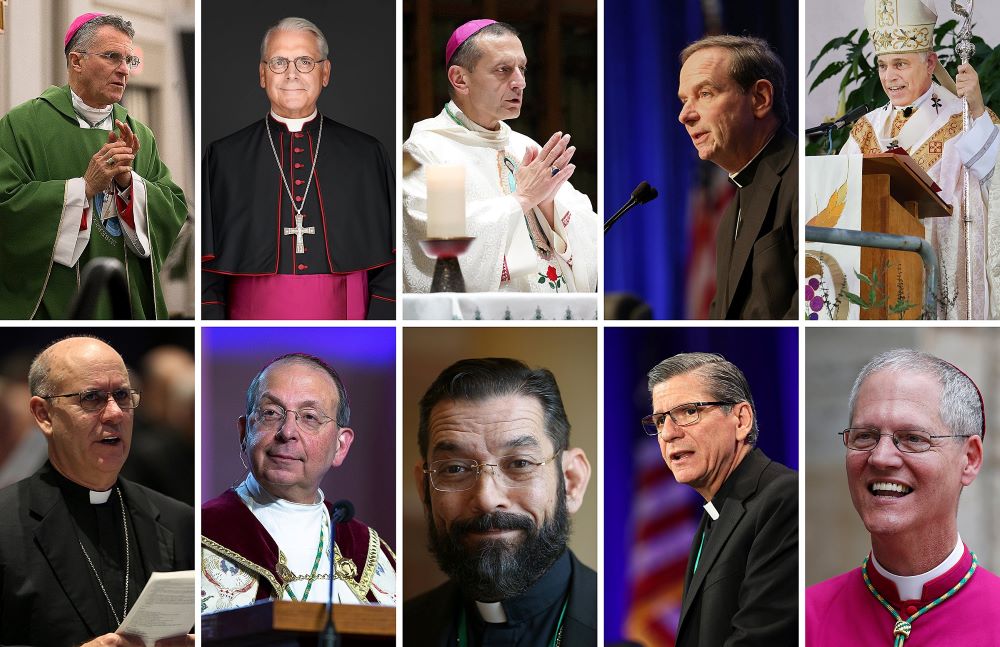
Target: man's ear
(973, 459)
(419, 479)
(325, 72)
(261, 71)
(40, 412)
(576, 473)
(241, 425)
(346, 437)
(761, 98)
(456, 77)
(744, 418)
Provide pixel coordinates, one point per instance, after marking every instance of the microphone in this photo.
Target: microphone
(845, 120)
(640, 195)
(343, 511)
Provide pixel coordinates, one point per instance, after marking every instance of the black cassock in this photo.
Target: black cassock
(246, 208)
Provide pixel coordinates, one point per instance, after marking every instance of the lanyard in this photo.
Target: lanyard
(463, 629)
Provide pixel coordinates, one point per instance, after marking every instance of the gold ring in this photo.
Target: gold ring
(110, 161)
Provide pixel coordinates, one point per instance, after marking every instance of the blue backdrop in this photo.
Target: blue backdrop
(768, 357)
(647, 252)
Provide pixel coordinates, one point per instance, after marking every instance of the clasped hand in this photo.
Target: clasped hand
(112, 162)
(967, 86)
(536, 183)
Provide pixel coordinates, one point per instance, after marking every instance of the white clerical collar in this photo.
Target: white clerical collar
(911, 587)
(93, 116)
(491, 612)
(919, 102)
(293, 125)
(97, 498)
(732, 176)
(261, 496)
(712, 512)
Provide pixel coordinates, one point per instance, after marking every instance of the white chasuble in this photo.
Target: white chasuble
(512, 250)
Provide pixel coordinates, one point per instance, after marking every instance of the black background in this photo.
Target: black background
(362, 40)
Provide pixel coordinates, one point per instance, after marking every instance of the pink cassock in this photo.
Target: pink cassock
(299, 296)
(842, 612)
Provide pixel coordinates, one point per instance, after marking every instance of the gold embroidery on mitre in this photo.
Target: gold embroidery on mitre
(902, 40)
(863, 133)
(900, 26)
(929, 153)
(885, 13)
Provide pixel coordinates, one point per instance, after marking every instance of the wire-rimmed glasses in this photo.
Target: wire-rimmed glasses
(96, 399)
(459, 474)
(304, 64)
(682, 415)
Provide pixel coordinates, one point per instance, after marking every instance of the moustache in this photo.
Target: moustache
(492, 521)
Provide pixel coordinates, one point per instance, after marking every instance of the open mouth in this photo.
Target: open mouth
(884, 488)
(110, 440)
(676, 457)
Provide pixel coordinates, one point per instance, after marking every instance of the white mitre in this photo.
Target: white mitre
(904, 27)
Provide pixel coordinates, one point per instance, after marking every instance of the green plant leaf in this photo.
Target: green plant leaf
(836, 43)
(828, 72)
(853, 298)
(862, 277)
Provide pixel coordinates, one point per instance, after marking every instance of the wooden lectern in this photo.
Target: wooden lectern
(896, 194)
(292, 624)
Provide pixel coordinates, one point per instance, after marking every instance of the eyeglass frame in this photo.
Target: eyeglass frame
(295, 61)
(131, 61)
(284, 418)
(134, 395)
(479, 469)
(895, 441)
(666, 414)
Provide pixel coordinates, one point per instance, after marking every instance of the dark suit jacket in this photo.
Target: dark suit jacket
(745, 591)
(757, 276)
(47, 596)
(429, 619)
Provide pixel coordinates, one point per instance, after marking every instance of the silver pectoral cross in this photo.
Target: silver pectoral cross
(299, 231)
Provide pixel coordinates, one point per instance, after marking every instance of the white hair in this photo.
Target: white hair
(296, 24)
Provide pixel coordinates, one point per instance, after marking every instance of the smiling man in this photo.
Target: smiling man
(915, 442)
(78, 542)
(732, 93)
(741, 582)
(499, 482)
(81, 179)
(924, 118)
(269, 537)
(534, 232)
(298, 217)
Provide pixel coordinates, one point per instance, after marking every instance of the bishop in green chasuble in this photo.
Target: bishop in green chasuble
(49, 228)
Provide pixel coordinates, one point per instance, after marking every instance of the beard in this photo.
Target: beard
(497, 569)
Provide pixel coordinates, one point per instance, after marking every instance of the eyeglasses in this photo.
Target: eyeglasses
(911, 441)
(459, 474)
(303, 64)
(96, 399)
(117, 58)
(272, 417)
(682, 415)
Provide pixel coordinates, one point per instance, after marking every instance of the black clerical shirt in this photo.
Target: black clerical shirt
(99, 528)
(531, 617)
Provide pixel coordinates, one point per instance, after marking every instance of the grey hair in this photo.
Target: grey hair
(752, 60)
(961, 405)
(39, 373)
(296, 24)
(723, 379)
(343, 415)
(469, 52)
(84, 36)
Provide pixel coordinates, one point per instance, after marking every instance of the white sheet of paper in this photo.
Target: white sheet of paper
(165, 608)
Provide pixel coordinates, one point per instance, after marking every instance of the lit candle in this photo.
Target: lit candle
(445, 201)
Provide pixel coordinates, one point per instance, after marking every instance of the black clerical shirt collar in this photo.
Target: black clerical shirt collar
(745, 175)
(74, 493)
(719, 500)
(310, 126)
(550, 589)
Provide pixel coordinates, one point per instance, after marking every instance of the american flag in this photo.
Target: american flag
(709, 198)
(663, 522)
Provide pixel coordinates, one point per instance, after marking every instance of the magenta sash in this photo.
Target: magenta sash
(299, 296)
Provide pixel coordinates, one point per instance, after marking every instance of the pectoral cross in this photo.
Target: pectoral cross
(299, 231)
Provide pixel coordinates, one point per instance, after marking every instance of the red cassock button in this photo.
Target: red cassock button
(298, 150)
(303, 266)
(299, 182)
(298, 165)
(910, 610)
(298, 198)
(298, 135)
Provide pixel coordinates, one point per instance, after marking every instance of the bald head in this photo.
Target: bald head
(88, 441)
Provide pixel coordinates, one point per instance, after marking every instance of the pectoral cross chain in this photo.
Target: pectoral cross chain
(299, 232)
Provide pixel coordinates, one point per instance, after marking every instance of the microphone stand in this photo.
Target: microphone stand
(329, 637)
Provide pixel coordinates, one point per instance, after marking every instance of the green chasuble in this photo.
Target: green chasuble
(42, 146)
